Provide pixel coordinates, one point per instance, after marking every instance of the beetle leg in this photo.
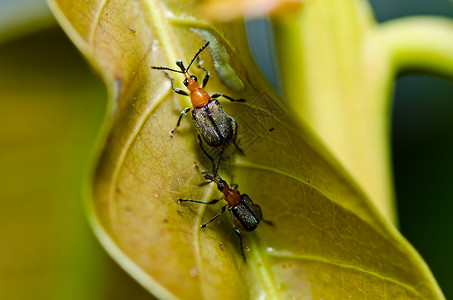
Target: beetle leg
(206, 77)
(214, 201)
(204, 151)
(200, 170)
(176, 90)
(220, 159)
(217, 95)
(215, 217)
(183, 113)
(235, 186)
(238, 233)
(206, 175)
(211, 175)
(233, 122)
(261, 216)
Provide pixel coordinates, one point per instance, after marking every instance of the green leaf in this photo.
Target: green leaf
(328, 240)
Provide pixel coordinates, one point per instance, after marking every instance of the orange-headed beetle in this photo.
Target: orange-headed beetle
(245, 214)
(215, 127)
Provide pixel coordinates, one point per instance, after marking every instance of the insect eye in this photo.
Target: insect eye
(186, 82)
(194, 78)
(220, 186)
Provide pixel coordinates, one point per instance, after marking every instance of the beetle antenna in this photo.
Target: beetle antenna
(181, 66)
(211, 178)
(196, 54)
(208, 177)
(165, 68)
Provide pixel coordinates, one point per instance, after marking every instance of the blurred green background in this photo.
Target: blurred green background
(422, 148)
(52, 106)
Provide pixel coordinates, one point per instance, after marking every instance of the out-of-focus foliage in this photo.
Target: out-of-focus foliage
(51, 107)
(22, 17)
(347, 66)
(422, 143)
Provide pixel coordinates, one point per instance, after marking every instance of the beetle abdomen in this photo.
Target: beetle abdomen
(213, 124)
(246, 215)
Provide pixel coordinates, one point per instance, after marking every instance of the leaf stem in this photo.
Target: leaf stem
(420, 42)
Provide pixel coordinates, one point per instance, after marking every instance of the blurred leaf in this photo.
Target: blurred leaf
(50, 108)
(341, 88)
(21, 17)
(346, 65)
(328, 240)
(227, 10)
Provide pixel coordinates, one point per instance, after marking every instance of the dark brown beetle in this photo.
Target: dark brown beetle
(214, 126)
(245, 214)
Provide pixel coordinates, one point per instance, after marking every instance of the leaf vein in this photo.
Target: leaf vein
(96, 20)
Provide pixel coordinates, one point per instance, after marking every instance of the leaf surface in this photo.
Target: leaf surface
(328, 240)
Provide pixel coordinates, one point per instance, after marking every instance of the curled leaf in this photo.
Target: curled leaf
(328, 240)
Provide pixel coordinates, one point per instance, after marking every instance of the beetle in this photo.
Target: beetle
(215, 127)
(245, 214)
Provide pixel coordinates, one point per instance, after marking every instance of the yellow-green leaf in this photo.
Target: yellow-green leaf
(328, 240)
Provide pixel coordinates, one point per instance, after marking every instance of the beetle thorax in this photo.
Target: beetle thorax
(199, 97)
(233, 197)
